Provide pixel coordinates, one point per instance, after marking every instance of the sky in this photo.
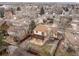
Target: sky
(39, 1)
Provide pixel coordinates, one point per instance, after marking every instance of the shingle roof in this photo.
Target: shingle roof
(41, 28)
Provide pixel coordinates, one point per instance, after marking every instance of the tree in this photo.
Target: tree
(65, 9)
(42, 11)
(12, 11)
(2, 13)
(3, 33)
(32, 26)
(1, 38)
(18, 9)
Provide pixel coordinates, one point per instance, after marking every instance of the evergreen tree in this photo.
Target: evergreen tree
(3, 33)
(42, 11)
(1, 38)
(18, 9)
(32, 26)
(1, 13)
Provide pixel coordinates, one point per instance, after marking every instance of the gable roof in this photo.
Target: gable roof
(46, 28)
(41, 28)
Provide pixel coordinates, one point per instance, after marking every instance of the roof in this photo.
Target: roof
(45, 28)
(10, 40)
(41, 28)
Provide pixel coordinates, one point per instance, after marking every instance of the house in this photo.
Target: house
(17, 32)
(10, 40)
(8, 13)
(42, 33)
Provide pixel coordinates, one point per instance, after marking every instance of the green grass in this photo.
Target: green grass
(42, 50)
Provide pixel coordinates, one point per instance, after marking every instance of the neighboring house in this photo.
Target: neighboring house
(17, 32)
(42, 33)
(8, 13)
(10, 40)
